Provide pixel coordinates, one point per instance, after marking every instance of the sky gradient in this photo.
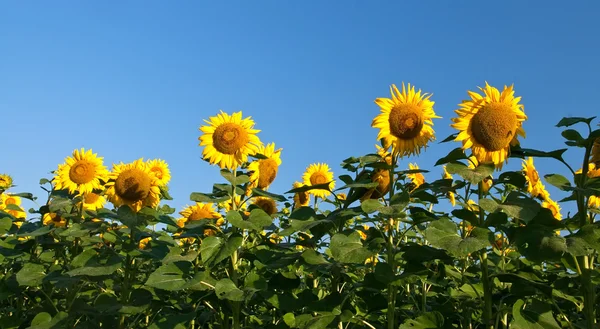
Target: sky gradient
(136, 79)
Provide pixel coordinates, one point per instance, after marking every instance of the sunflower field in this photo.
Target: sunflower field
(379, 244)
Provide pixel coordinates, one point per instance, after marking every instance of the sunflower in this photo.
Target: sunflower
(133, 185)
(144, 242)
(93, 201)
(264, 171)
(534, 184)
(450, 194)
(382, 178)
(384, 154)
(316, 174)
(301, 199)
(487, 182)
(161, 171)
(228, 205)
(6, 200)
(341, 196)
(197, 212)
(405, 120)
(595, 155)
(362, 231)
(593, 172)
(553, 206)
(489, 123)
(54, 219)
(417, 178)
(268, 205)
(83, 172)
(5, 182)
(229, 139)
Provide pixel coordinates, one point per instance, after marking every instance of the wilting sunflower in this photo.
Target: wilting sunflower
(161, 171)
(93, 201)
(553, 206)
(301, 199)
(83, 172)
(54, 219)
(487, 182)
(417, 178)
(593, 172)
(5, 182)
(6, 200)
(133, 185)
(450, 194)
(197, 212)
(405, 120)
(264, 171)
(229, 139)
(534, 184)
(488, 124)
(268, 205)
(316, 174)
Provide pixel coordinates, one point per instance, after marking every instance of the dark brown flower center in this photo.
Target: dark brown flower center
(229, 138)
(267, 171)
(494, 126)
(406, 121)
(318, 178)
(133, 185)
(82, 171)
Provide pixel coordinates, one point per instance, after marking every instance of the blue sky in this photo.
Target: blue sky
(136, 79)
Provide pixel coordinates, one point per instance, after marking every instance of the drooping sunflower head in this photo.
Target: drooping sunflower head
(268, 205)
(133, 185)
(264, 171)
(417, 178)
(553, 206)
(405, 120)
(93, 201)
(450, 194)
(81, 173)
(5, 182)
(197, 212)
(316, 174)
(7, 199)
(54, 219)
(161, 171)
(229, 139)
(301, 199)
(535, 187)
(489, 124)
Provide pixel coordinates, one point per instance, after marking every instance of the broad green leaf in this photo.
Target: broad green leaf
(209, 198)
(307, 321)
(302, 226)
(167, 277)
(517, 152)
(215, 249)
(139, 301)
(31, 275)
(45, 321)
(260, 219)
(276, 197)
(539, 243)
(533, 315)
(234, 179)
(27, 196)
(580, 243)
(313, 258)
(569, 121)
(235, 218)
(384, 273)
(95, 268)
(226, 289)
(474, 176)
(515, 205)
(443, 234)
(201, 281)
(559, 181)
(574, 136)
(254, 281)
(454, 155)
(428, 320)
(5, 225)
(83, 258)
(176, 321)
(371, 206)
(39, 232)
(324, 186)
(514, 178)
(349, 249)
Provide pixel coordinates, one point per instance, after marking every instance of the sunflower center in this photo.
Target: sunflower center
(406, 121)
(318, 178)
(133, 185)
(229, 138)
(82, 172)
(158, 173)
(494, 126)
(267, 172)
(303, 197)
(10, 201)
(200, 213)
(267, 206)
(90, 198)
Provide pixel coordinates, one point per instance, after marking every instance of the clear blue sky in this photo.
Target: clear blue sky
(136, 79)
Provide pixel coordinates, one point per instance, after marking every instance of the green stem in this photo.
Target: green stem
(391, 307)
(235, 306)
(488, 320)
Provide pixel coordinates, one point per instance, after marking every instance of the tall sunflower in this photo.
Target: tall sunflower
(197, 212)
(93, 201)
(229, 139)
(82, 173)
(161, 171)
(5, 182)
(268, 205)
(264, 171)
(301, 199)
(450, 194)
(535, 187)
(417, 178)
(54, 219)
(6, 199)
(405, 120)
(489, 124)
(134, 185)
(316, 174)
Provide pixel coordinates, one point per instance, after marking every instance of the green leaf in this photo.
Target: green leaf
(313, 258)
(167, 277)
(371, 206)
(539, 243)
(139, 301)
(127, 216)
(534, 315)
(226, 289)
(234, 179)
(201, 281)
(83, 258)
(324, 186)
(559, 181)
(575, 137)
(95, 268)
(515, 205)
(517, 152)
(569, 121)
(428, 320)
(474, 176)
(514, 178)
(449, 138)
(443, 234)
(307, 321)
(349, 249)
(276, 197)
(235, 218)
(209, 198)
(176, 321)
(260, 219)
(454, 155)
(588, 237)
(384, 273)
(45, 321)
(27, 196)
(31, 275)
(215, 249)
(39, 232)
(5, 225)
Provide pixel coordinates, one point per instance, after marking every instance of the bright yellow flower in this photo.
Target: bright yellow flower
(301, 199)
(133, 185)
(228, 205)
(93, 201)
(417, 178)
(161, 171)
(6, 199)
(593, 172)
(5, 182)
(82, 173)
(144, 242)
(54, 219)
(534, 184)
(316, 174)
(229, 139)
(341, 196)
(489, 124)
(372, 260)
(268, 205)
(405, 120)
(264, 171)
(553, 206)
(450, 195)
(363, 234)
(197, 212)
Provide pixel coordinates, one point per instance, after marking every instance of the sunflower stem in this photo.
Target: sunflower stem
(391, 307)
(234, 262)
(488, 319)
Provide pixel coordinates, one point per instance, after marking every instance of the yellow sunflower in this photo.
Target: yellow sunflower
(161, 171)
(83, 172)
(6, 200)
(144, 242)
(197, 212)
(133, 185)
(553, 206)
(93, 201)
(5, 182)
(405, 120)
(593, 172)
(54, 219)
(301, 199)
(487, 182)
(229, 139)
(417, 179)
(264, 171)
(341, 196)
(534, 184)
(316, 174)
(228, 205)
(362, 232)
(450, 195)
(489, 124)
(268, 205)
